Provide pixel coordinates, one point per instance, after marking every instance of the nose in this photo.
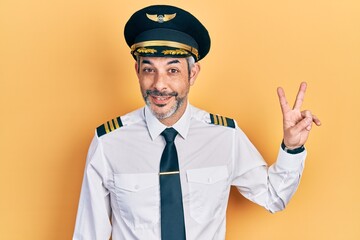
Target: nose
(159, 81)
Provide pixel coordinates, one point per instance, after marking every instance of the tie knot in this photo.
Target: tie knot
(169, 134)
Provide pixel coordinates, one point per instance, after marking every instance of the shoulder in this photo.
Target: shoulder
(222, 121)
(213, 119)
(120, 122)
(109, 126)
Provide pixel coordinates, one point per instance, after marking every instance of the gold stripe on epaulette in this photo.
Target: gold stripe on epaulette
(222, 121)
(106, 128)
(109, 126)
(215, 119)
(116, 123)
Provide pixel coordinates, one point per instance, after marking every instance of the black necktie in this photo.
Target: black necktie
(172, 213)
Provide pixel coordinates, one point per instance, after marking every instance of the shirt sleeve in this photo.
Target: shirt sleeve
(93, 216)
(271, 187)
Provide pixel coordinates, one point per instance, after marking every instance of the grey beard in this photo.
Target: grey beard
(178, 103)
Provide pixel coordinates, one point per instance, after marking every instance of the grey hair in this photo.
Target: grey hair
(191, 62)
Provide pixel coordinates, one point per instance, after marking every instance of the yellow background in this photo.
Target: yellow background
(65, 69)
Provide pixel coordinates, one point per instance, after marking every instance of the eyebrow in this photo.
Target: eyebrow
(173, 62)
(145, 61)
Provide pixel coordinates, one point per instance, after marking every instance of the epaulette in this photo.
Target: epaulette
(222, 121)
(109, 126)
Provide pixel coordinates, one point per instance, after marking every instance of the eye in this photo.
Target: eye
(148, 70)
(174, 70)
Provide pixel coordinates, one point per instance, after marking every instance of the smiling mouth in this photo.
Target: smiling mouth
(160, 99)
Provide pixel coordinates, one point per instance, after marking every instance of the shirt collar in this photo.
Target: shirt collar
(155, 127)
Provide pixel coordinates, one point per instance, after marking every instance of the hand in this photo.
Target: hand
(296, 123)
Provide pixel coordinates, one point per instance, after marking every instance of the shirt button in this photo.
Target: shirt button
(209, 180)
(136, 187)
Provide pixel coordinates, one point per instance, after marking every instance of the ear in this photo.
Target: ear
(137, 68)
(195, 70)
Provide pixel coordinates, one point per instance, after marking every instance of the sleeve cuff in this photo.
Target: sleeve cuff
(290, 161)
(292, 151)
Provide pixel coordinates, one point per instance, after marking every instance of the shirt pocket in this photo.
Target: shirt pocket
(208, 188)
(138, 199)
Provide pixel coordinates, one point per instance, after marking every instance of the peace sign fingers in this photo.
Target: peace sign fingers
(296, 123)
(298, 102)
(300, 96)
(282, 99)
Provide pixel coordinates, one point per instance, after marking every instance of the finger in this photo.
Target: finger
(316, 120)
(309, 119)
(282, 99)
(306, 113)
(300, 96)
(306, 123)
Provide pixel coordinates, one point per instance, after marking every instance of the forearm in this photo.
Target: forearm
(273, 187)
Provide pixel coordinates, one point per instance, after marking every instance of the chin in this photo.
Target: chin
(163, 114)
(163, 111)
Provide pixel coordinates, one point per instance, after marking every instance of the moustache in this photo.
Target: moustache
(161, 94)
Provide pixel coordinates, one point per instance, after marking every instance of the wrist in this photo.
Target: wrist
(292, 150)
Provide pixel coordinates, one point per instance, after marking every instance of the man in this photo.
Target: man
(164, 171)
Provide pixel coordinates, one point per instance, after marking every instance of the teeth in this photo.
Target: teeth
(160, 98)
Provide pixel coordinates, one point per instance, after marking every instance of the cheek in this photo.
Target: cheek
(144, 83)
(185, 83)
(143, 88)
(182, 89)
(180, 82)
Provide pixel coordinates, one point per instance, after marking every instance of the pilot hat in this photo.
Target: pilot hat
(166, 31)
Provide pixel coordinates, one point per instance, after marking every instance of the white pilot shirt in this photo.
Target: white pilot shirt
(120, 192)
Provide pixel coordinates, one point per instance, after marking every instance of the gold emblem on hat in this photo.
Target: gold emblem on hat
(163, 43)
(175, 52)
(146, 50)
(161, 18)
